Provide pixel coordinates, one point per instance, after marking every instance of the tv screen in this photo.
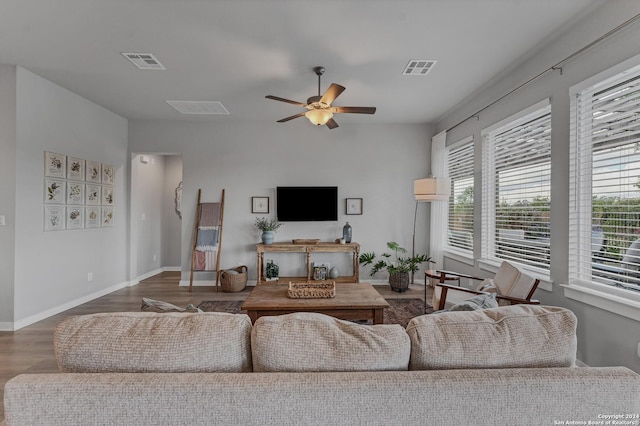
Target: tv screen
(307, 203)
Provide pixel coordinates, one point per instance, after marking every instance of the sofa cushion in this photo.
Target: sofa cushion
(154, 342)
(504, 337)
(315, 342)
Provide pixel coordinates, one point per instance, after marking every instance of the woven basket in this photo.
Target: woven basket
(311, 290)
(232, 283)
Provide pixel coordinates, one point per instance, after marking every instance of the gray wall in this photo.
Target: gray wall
(7, 191)
(604, 338)
(371, 161)
(51, 268)
(171, 222)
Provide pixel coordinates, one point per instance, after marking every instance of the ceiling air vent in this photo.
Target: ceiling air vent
(419, 66)
(144, 61)
(199, 107)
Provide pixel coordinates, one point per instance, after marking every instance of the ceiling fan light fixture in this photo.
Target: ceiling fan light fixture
(319, 117)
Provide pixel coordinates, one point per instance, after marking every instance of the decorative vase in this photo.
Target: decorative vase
(267, 237)
(346, 233)
(333, 273)
(399, 281)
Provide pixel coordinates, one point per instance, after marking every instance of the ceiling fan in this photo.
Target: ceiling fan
(320, 111)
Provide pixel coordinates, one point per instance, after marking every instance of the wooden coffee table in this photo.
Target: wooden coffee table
(356, 301)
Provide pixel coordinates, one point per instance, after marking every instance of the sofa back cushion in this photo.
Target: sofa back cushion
(504, 337)
(154, 342)
(316, 342)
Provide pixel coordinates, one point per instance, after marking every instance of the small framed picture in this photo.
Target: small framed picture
(107, 174)
(93, 172)
(75, 168)
(92, 217)
(93, 195)
(107, 216)
(55, 165)
(54, 218)
(107, 195)
(354, 206)
(259, 204)
(319, 273)
(75, 192)
(54, 191)
(75, 217)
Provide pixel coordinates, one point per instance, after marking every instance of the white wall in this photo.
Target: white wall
(375, 162)
(7, 191)
(604, 338)
(51, 268)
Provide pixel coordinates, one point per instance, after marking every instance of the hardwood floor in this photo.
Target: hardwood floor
(30, 349)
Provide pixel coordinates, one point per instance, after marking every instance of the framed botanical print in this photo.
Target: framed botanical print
(107, 216)
(259, 204)
(75, 192)
(75, 217)
(354, 206)
(54, 191)
(54, 218)
(107, 195)
(107, 174)
(93, 194)
(55, 165)
(75, 168)
(93, 172)
(92, 217)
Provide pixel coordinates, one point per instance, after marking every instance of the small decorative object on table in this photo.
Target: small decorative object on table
(306, 242)
(272, 271)
(310, 290)
(346, 233)
(268, 227)
(233, 280)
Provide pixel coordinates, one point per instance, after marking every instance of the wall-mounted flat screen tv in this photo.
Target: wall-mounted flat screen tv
(307, 203)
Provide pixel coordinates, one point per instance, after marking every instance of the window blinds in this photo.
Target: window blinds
(460, 164)
(517, 187)
(605, 183)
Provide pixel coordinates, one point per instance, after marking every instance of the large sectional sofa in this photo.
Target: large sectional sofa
(509, 365)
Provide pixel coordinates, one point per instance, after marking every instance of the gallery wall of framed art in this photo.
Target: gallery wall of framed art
(78, 193)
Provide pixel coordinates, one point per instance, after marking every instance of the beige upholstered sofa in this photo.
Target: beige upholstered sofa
(509, 365)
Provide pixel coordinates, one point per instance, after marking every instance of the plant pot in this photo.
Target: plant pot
(267, 237)
(399, 281)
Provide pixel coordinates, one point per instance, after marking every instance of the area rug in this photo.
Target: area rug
(400, 311)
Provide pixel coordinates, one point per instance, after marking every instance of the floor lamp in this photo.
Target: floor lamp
(428, 190)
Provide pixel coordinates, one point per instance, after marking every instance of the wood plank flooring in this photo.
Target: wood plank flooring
(30, 349)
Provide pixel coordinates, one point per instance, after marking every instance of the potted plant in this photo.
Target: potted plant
(268, 226)
(398, 267)
(272, 271)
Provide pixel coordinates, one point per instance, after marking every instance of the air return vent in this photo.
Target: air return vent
(199, 107)
(419, 66)
(144, 61)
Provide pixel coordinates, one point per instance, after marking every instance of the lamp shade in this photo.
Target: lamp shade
(319, 117)
(432, 189)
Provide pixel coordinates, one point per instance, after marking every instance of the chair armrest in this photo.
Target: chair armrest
(445, 289)
(515, 300)
(459, 275)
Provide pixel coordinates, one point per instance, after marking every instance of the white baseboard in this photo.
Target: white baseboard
(17, 325)
(6, 326)
(150, 274)
(171, 269)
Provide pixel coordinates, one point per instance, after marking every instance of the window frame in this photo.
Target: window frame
(488, 256)
(624, 302)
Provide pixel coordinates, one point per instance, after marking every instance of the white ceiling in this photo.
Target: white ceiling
(236, 52)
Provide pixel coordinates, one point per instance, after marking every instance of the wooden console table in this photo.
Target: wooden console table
(309, 249)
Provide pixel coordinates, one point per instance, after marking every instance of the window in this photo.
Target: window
(460, 165)
(516, 188)
(604, 234)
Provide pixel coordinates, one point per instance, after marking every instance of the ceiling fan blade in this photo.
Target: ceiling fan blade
(332, 123)
(331, 93)
(284, 120)
(275, 98)
(353, 110)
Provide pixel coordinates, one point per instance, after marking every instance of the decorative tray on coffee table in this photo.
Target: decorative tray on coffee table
(312, 290)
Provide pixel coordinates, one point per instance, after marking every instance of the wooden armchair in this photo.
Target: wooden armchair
(509, 284)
